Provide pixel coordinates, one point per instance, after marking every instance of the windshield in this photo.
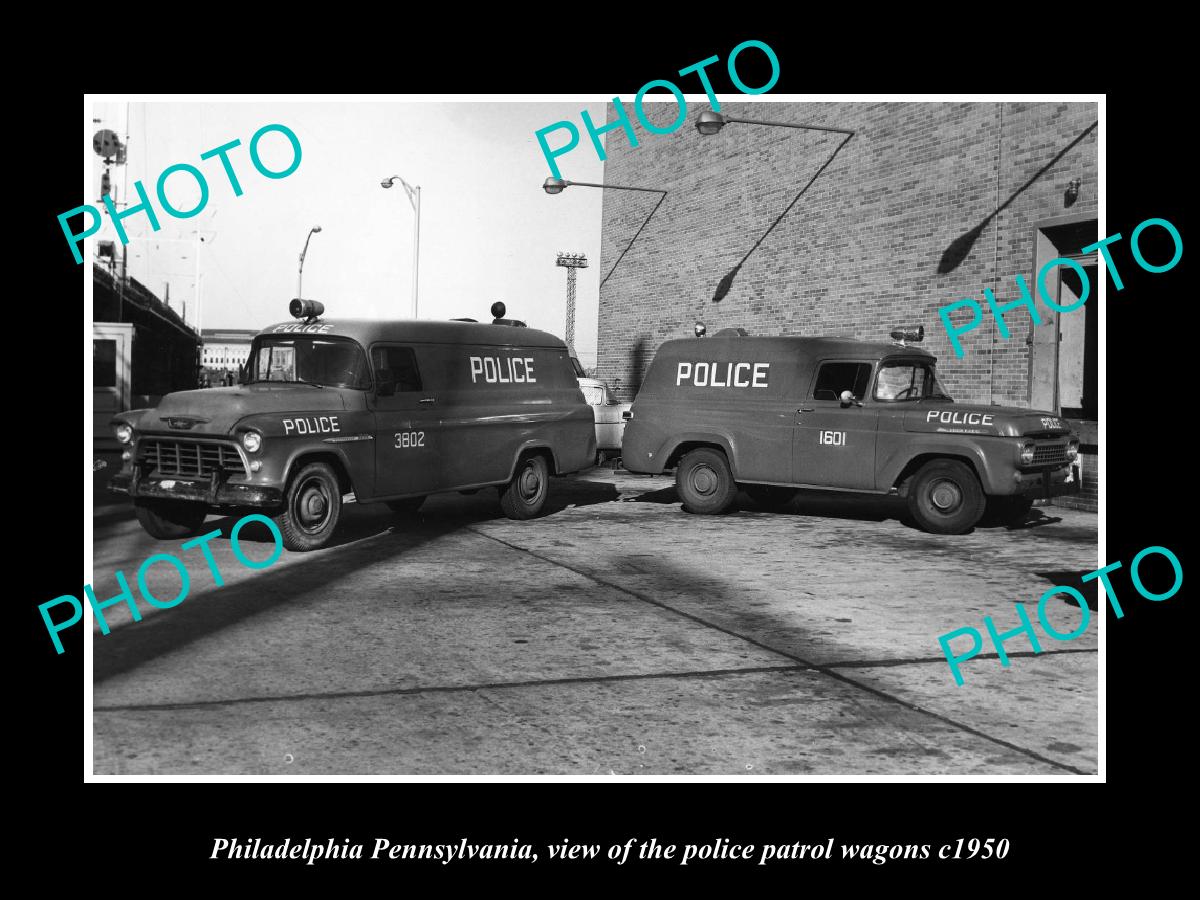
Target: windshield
(319, 361)
(908, 381)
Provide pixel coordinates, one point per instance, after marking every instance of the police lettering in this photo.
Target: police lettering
(311, 425)
(949, 417)
(302, 328)
(742, 374)
(494, 370)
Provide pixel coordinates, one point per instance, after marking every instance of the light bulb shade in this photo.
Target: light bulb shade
(710, 122)
(386, 183)
(316, 229)
(554, 185)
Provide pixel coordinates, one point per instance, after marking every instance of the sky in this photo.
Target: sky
(488, 231)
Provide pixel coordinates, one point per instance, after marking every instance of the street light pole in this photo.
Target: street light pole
(414, 199)
(300, 280)
(417, 252)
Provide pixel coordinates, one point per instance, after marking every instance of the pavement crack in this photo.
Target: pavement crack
(447, 689)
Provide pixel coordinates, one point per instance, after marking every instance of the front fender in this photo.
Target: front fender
(991, 462)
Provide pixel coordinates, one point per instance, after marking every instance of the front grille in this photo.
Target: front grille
(1048, 454)
(190, 458)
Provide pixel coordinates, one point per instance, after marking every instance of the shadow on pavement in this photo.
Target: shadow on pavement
(823, 504)
(206, 613)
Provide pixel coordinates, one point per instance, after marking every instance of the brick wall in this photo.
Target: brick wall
(861, 251)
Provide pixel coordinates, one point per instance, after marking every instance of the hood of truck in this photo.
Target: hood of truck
(965, 418)
(217, 410)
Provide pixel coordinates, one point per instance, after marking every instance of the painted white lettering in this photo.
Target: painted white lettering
(737, 378)
(762, 374)
(685, 371)
(476, 367)
(696, 379)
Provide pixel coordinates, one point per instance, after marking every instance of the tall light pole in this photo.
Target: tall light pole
(571, 262)
(414, 198)
(300, 280)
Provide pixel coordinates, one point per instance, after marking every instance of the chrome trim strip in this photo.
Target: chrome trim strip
(346, 440)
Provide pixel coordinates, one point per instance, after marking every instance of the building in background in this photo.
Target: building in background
(141, 349)
(926, 204)
(224, 352)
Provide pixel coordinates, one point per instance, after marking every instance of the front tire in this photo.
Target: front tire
(525, 494)
(704, 482)
(311, 508)
(169, 520)
(946, 497)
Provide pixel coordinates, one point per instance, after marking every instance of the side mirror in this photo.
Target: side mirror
(848, 399)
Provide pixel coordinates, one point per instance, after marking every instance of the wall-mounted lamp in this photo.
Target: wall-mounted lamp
(701, 330)
(1072, 192)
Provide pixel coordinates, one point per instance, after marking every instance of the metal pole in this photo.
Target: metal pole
(417, 252)
(199, 241)
(300, 280)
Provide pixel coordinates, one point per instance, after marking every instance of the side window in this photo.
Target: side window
(835, 377)
(397, 364)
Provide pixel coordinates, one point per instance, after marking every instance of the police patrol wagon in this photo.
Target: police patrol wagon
(775, 414)
(391, 411)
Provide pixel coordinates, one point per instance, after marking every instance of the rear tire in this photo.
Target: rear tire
(312, 507)
(406, 507)
(946, 497)
(704, 482)
(525, 494)
(770, 496)
(1008, 511)
(169, 520)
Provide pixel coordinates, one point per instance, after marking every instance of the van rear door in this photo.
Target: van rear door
(834, 445)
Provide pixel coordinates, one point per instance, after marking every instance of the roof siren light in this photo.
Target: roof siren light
(903, 335)
(306, 309)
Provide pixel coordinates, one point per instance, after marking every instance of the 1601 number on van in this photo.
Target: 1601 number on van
(837, 438)
(406, 439)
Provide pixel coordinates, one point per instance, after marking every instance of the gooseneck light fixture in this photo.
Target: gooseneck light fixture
(300, 279)
(709, 123)
(558, 185)
(414, 199)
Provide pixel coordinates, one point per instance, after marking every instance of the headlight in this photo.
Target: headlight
(252, 441)
(1027, 453)
(124, 433)
(1072, 449)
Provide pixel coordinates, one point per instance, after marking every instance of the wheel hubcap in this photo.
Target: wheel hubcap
(945, 496)
(704, 480)
(312, 505)
(530, 484)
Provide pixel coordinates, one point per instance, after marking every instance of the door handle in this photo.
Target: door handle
(429, 400)
(806, 409)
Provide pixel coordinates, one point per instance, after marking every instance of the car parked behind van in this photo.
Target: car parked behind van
(392, 411)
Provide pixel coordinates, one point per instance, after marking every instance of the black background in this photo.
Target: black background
(142, 828)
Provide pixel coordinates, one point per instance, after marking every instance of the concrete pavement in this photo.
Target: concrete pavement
(616, 635)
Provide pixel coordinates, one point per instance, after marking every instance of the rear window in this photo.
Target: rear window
(835, 377)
